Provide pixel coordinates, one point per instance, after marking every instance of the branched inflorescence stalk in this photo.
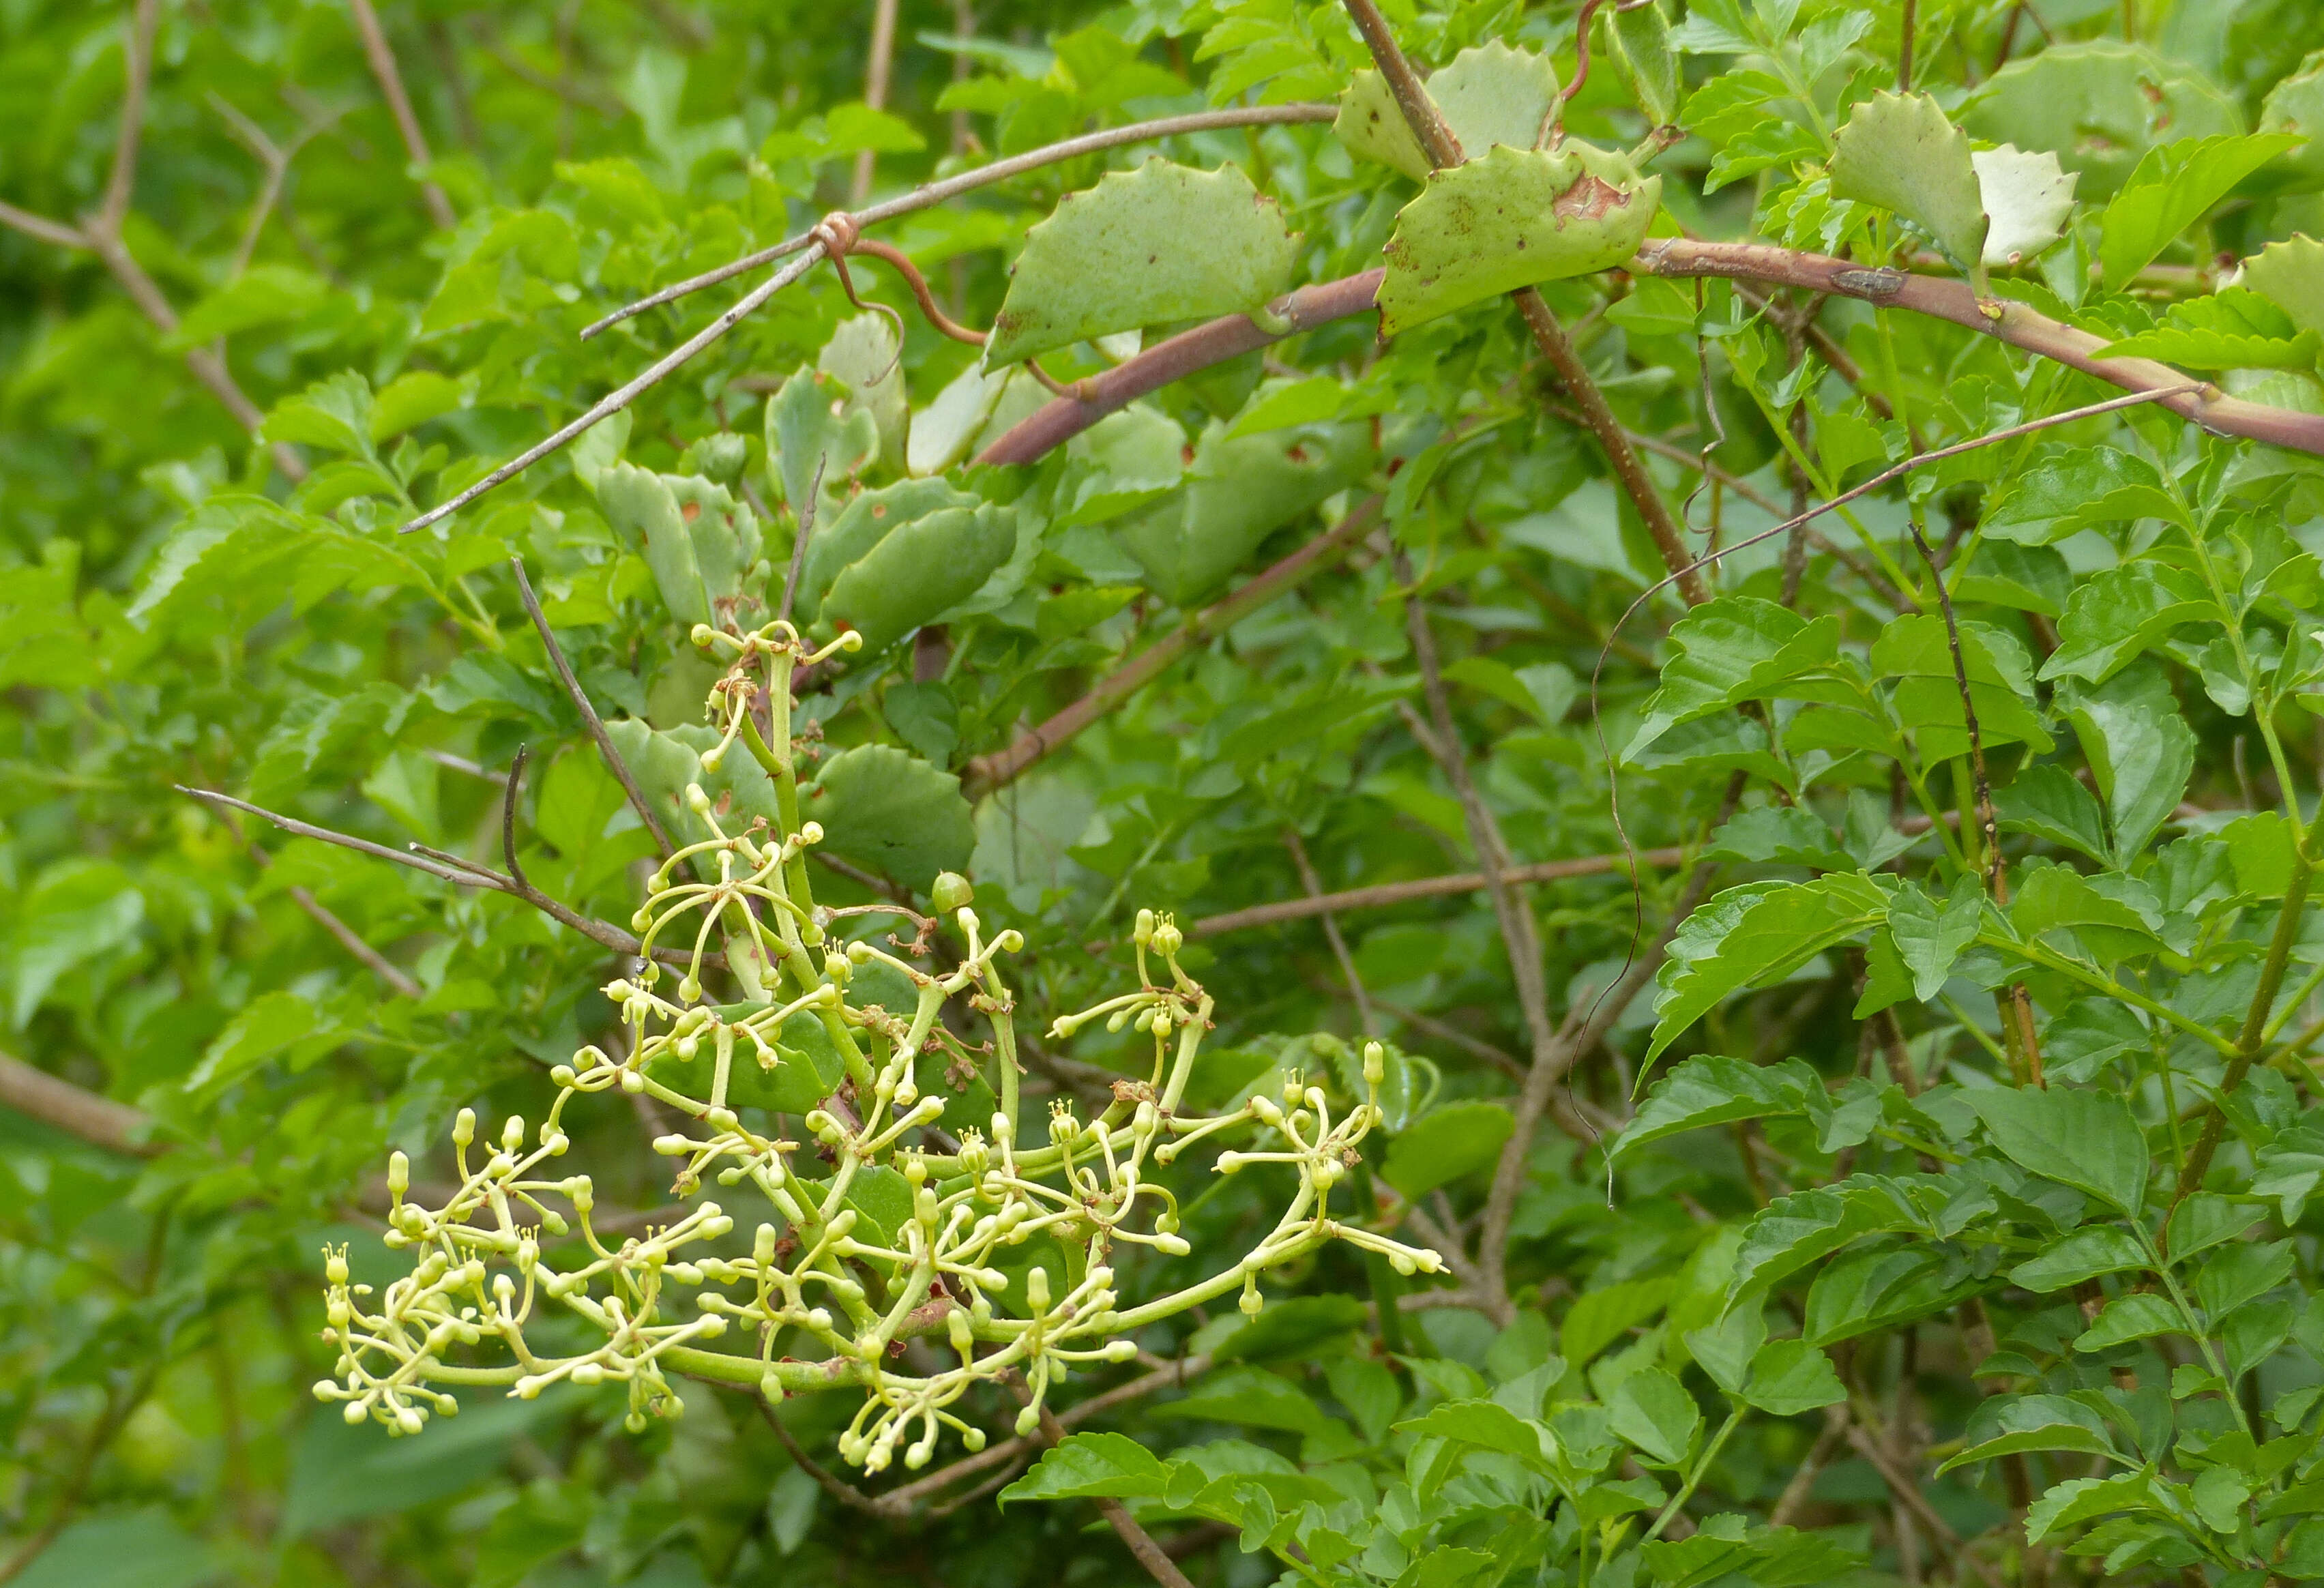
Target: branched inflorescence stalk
(887, 1227)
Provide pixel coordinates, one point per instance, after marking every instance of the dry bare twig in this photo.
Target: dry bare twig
(399, 104)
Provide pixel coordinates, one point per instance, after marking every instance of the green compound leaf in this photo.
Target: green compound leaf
(2086, 1140)
(2140, 1316)
(2037, 1422)
(1115, 257)
(1092, 1466)
(1482, 1423)
(891, 811)
(1655, 1413)
(1512, 218)
(2172, 189)
(2235, 329)
(2289, 274)
(1789, 1377)
(1900, 152)
(1754, 935)
(2103, 1249)
(1929, 936)
(1733, 649)
(2141, 752)
(1794, 1232)
(1490, 94)
(2079, 1500)
(1714, 1091)
(2027, 201)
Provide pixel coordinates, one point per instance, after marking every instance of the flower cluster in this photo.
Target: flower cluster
(889, 1223)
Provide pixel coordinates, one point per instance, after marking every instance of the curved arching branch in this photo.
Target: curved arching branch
(2016, 324)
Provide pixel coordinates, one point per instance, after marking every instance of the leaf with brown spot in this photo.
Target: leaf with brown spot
(1512, 218)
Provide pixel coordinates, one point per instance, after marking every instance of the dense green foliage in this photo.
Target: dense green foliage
(1910, 1178)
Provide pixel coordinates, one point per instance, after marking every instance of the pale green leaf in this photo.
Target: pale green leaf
(2099, 105)
(1900, 152)
(892, 812)
(1512, 218)
(2141, 752)
(1929, 936)
(1488, 94)
(2289, 274)
(2102, 1249)
(1114, 258)
(2027, 201)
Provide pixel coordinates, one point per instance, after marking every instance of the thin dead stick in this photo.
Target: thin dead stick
(323, 916)
(985, 175)
(399, 104)
(1803, 1482)
(1906, 1489)
(1512, 907)
(881, 57)
(2160, 395)
(1383, 894)
(450, 868)
(1315, 886)
(596, 724)
(847, 1494)
(273, 159)
(1151, 1555)
(623, 395)
(988, 772)
(804, 512)
(76, 1110)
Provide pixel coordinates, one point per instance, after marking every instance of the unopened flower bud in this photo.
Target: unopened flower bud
(463, 1127)
(950, 892)
(398, 1174)
(1143, 932)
